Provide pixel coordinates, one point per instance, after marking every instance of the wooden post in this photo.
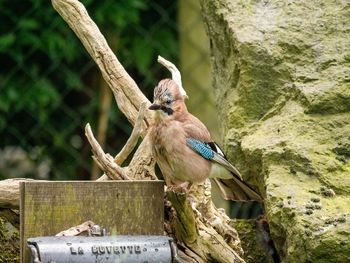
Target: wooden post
(122, 207)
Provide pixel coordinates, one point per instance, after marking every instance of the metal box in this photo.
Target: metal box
(104, 249)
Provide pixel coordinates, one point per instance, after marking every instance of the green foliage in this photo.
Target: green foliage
(49, 86)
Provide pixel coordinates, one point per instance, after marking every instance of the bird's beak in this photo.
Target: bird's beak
(154, 106)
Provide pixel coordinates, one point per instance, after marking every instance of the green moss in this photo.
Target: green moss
(282, 82)
(333, 248)
(9, 243)
(255, 250)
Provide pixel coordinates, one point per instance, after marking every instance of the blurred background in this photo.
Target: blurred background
(50, 87)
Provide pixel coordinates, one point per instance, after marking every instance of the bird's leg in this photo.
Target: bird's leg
(194, 207)
(182, 188)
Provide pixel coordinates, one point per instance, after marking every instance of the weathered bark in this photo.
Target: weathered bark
(215, 240)
(9, 192)
(141, 166)
(202, 232)
(83, 228)
(281, 74)
(203, 236)
(128, 96)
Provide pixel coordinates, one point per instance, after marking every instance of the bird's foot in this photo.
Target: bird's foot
(196, 211)
(179, 188)
(194, 205)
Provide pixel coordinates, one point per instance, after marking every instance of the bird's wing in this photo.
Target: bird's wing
(231, 188)
(236, 190)
(195, 129)
(211, 151)
(199, 140)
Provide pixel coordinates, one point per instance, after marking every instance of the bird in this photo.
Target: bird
(184, 150)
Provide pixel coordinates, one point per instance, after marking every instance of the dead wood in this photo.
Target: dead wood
(104, 161)
(202, 235)
(11, 216)
(9, 192)
(142, 164)
(105, 102)
(77, 230)
(127, 94)
(202, 231)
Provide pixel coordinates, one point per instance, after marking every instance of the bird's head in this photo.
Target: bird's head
(168, 100)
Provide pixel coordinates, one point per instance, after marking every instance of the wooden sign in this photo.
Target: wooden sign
(122, 207)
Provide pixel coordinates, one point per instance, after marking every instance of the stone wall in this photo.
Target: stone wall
(282, 80)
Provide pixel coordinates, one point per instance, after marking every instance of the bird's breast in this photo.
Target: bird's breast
(166, 138)
(174, 157)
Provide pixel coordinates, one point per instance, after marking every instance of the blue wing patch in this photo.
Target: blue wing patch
(206, 151)
(201, 148)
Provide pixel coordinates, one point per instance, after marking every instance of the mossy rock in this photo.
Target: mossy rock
(282, 80)
(9, 242)
(252, 240)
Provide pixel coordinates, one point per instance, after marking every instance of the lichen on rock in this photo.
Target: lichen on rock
(9, 242)
(282, 81)
(252, 240)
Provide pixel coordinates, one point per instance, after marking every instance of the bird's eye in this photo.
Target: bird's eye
(168, 102)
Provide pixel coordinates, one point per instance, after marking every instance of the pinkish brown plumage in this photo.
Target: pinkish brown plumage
(180, 163)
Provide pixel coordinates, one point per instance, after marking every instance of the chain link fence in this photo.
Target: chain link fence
(50, 87)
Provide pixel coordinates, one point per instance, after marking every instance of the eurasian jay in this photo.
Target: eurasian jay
(184, 150)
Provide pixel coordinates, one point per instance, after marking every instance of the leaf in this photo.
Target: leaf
(167, 40)
(28, 24)
(6, 41)
(73, 79)
(2, 122)
(138, 4)
(28, 38)
(143, 53)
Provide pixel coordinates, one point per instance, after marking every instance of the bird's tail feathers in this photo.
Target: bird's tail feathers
(236, 190)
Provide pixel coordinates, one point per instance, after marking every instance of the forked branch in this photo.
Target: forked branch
(202, 232)
(104, 161)
(112, 166)
(134, 137)
(127, 94)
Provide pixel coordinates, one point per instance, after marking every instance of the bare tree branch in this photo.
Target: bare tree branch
(105, 161)
(127, 94)
(104, 107)
(127, 149)
(132, 141)
(9, 189)
(201, 231)
(175, 73)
